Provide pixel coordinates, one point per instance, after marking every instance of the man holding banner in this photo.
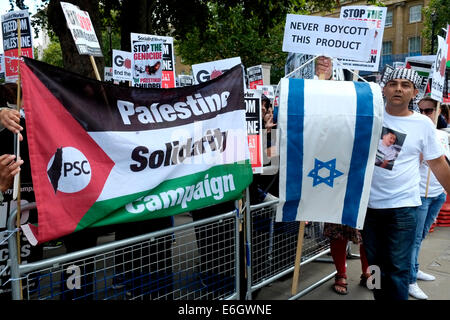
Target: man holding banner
(390, 223)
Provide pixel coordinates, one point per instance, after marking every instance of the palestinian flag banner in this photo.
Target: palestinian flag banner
(104, 154)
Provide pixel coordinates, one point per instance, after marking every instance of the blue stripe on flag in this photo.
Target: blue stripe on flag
(360, 154)
(294, 149)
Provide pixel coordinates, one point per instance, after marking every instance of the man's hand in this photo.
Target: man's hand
(8, 169)
(10, 119)
(324, 66)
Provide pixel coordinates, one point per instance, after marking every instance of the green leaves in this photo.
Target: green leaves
(441, 19)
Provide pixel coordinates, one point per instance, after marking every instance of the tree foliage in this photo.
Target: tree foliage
(442, 18)
(211, 28)
(53, 54)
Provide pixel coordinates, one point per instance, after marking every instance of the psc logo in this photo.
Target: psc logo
(69, 170)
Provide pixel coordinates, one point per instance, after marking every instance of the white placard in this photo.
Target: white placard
(209, 70)
(168, 58)
(10, 40)
(121, 64)
(438, 69)
(82, 30)
(147, 63)
(185, 80)
(332, 37)
(108, 75)
(375, 18)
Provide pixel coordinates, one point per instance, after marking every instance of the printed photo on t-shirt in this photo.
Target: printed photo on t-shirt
(389, 147)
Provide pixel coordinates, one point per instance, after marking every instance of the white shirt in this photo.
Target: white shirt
(399, 186)
(434, 187)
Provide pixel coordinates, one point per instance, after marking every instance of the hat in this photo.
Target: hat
(408, 74)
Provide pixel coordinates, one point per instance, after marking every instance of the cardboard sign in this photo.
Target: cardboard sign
(2, 66)
(108, 75)
(375, 18)
(82, 30)
(252, 99)
(209, 70)
(185, 80)
(332, 37)
(11, 42)
(168, 60)
(255, 76)
(147, 63)
(438, 69)
(121, 65)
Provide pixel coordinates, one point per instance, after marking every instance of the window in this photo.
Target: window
(415, 14)
(414, 45)
(386, 49)
(388, 22)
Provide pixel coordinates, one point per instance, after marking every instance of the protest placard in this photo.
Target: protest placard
(11, 42)
(147, 63)
(438, 69)
(332, 37)
(108, 74)
(252, 99)
(168, 60)
(255, 76)
(209, 70)
(82, 30)
(375, 18)
(121, 64)
(185, 80)
(2, 66)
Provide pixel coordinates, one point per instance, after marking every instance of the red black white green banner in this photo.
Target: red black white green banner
(104, 154)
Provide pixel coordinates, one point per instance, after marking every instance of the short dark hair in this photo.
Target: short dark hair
(428, 98)
(391, 132)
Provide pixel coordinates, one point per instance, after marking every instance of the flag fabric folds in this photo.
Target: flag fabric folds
(104, 154)
(329, 137)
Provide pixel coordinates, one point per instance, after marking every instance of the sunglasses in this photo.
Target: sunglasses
(427, 111)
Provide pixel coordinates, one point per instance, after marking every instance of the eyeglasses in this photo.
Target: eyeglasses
(427, 111)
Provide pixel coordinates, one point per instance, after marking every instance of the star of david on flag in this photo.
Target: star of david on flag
(328, 142)
(333, 172)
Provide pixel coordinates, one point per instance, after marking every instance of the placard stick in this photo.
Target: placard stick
(16, 188)
(298, 257)
(97, 75)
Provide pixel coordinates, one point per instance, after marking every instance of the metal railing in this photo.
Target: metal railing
(150, 266)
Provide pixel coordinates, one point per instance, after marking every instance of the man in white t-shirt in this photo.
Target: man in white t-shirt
(433, 196)
(390, 224)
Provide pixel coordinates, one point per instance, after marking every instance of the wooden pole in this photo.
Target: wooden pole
(298, 257)
(17, 177)
(94, 65)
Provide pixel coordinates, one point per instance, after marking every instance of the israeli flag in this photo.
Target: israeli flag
(329, 137)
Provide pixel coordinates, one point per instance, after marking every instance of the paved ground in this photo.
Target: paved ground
(434, 259)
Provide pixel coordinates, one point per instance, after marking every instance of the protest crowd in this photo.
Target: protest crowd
(403, 186)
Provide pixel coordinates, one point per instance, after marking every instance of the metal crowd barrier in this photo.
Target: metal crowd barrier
(272, 246)
(193, 261)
